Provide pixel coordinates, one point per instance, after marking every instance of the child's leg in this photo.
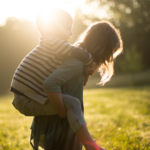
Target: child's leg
(74, 113)
(77, 122)
(30, 107)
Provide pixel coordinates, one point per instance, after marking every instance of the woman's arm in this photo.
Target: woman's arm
(52, 85)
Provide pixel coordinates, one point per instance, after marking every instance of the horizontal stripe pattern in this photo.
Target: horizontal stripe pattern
(39, 64)
(20, 81)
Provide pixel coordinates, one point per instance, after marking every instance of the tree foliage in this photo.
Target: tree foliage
(17, 39)
(132, 17)
(132, 61)
(128, 12)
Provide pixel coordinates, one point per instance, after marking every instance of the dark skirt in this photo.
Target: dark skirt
(53, 133)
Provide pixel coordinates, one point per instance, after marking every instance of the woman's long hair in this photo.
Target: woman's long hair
(104, 42)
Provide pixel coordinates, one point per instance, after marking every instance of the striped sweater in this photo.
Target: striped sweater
(41, 62)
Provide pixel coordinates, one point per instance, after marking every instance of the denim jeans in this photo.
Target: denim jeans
(30, 107)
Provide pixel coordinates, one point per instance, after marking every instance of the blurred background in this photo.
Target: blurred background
(18, 35)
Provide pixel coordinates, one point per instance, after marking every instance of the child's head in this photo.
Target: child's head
(58, 23)
(104, 42)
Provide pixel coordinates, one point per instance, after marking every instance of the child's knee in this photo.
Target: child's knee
(16, 102)
(75, 102)
(72, 103)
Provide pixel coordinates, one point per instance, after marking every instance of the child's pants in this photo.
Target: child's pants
(30, 107)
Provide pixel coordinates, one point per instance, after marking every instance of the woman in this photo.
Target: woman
(103, 41)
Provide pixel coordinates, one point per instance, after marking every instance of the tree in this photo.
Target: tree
(132, 17)
(132, 61)
(128, 12)
(17, 39)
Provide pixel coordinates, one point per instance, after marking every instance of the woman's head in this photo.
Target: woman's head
(104, 42)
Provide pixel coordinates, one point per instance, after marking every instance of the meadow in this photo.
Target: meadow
(118, 119)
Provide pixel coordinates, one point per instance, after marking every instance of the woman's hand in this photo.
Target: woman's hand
(89, 71)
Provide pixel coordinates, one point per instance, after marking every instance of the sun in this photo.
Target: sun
(29, 9)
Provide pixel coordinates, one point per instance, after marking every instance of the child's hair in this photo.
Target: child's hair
(104, 42)
(53, 23)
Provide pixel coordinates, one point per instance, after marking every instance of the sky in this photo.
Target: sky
(29, 9)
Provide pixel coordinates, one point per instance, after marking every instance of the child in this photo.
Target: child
(27, 84)
(52, 50)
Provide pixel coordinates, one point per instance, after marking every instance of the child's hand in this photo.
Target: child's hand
(89, 71)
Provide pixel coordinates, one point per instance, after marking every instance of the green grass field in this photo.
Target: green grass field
(118, 118)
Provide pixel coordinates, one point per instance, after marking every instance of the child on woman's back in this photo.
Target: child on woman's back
(47, 56)
(27, 84)
(52, 50)
(102, 40)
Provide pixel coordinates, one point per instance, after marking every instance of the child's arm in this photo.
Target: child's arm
(63, 49)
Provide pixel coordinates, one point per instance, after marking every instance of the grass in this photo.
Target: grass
(118, 118)
(14, 127)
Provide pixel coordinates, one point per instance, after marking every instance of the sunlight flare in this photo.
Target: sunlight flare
(29, 9)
